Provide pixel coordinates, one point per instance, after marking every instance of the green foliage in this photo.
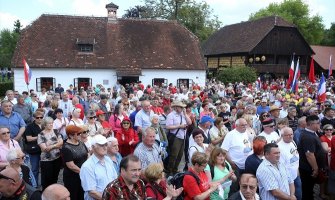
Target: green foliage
(8, 40)
(4, 86)
(196, 16)
(298, 13)
(237, 74)
(329, 36)
(17, 26)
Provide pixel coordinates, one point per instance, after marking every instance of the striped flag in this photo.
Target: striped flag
(27, 72)
(322, 89)
(330, 69)
(295, 83)
(259, 83)
(291, 74)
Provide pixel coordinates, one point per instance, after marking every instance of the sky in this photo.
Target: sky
(228, 11)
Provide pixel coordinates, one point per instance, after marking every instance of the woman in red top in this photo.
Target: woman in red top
(156, 187)
(117, 117)
(192, 189)
(326, 144)
(127, 138)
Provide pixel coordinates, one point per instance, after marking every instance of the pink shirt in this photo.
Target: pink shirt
(13, 144)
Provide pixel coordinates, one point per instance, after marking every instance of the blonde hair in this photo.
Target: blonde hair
(154, 172)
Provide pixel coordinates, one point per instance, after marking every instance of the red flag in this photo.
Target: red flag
(27, 72)
(311, 76)
(291, 75)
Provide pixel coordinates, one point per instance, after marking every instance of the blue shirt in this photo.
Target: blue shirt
(142, 119)
(270, 177)
(297, 134)
(14, 122)
(95, 176)
(117, 163)
(252, 163)
(261, 109)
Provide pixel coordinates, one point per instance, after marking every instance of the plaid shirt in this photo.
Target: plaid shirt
(118, 189)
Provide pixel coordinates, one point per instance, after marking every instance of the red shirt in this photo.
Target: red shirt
(191, 187)
(332, 153)
(156, 194)
(124, 137)
(157, 110)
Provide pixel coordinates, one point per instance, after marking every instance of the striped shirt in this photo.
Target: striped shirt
(270, 178)
(148, 155)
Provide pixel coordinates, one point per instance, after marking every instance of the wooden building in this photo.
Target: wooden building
(322, 59)
(266, 44)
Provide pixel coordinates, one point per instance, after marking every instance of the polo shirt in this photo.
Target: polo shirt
(14, 122)
(174, 119)
(142, 119)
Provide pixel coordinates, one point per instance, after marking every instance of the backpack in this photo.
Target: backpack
(177, 181)
(212, 169)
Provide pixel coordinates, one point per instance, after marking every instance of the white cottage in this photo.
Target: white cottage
(84, 51)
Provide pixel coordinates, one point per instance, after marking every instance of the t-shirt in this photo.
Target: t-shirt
(219, 174)
(191, 187)
(273, 137)
(76, 153)
(289, 156)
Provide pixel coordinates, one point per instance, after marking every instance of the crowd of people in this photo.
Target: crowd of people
(220, 141)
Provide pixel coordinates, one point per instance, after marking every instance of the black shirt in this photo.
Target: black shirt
(76, 153)
(32, 130)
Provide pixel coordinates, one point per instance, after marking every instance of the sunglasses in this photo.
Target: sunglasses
(6, 177)
(266, 115)
(328, 129)
(248, 186)
(4, 133)
(38, 117)
(125, 123)
(93, 117)
(126, 104)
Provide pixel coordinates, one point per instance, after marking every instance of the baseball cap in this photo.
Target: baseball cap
(98, 139)
(205, 119)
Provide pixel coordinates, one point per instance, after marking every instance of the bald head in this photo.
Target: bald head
(55, 192)
(287, 134)
(9, 181)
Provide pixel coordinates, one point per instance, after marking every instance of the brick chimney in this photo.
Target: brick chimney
(111, 12)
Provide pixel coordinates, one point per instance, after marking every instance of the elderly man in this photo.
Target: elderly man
(56, 192)
(274, 112)
(311, 156)
(274, 180)
(292, 118)
(66, 105)
(263, 107)
(104, 105)
(12, 186)
(289, 156)
(328, 118)
(98, 170)
(142, 118)
(270, 135)
(176, 123)
(301, 127)
(12, 119)
(128, 185)
(23, 109)
(248, 188)
(237, 146)
(148, 151)
(113, 153)
(10, 97)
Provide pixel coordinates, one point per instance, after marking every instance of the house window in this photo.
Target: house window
(185, 82)
(82, 82)
(48, 83)
(86, 47)
(159, 82)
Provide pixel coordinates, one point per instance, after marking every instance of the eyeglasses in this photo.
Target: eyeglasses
(266, 115)
(251, 187)
(6, 177)
(23, 158)
(38, 117)
(126, 104)
(125, 123)
(4, 133)
(93, 117)
(328, 129)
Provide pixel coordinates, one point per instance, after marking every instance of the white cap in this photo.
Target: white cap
(99, 139)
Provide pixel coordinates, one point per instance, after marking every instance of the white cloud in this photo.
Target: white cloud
(49, 3)
(7, 21)
(90, 7)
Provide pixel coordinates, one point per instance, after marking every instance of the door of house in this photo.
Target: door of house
(128, 79)
(82, 82)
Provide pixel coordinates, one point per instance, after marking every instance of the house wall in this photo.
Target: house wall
(66, 76)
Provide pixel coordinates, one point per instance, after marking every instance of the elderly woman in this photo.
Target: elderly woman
(251, 132)
(92, 123)
(60, 123)
(6, 144)
(86, 138)
(196, 184)
(254, 160)
(156, 187)
(198, 145)
(218, 132)
(15, 158)
(127, 138)
(50, 143)
(220, 171)
(117, 117)
(76, 118)
(74, 154)
(160, 134)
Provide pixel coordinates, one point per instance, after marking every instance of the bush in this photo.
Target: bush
(237, 74)
(4, 86)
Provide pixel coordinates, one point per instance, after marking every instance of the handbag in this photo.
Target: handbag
(31, 147)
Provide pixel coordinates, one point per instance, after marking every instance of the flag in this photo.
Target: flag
(27, 72)
(291, 73)
(330, 69)
(259, 83)
(322, 89)
(295, 82)
(311, 76)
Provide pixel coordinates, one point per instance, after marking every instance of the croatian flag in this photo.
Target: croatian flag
(27, 72)
(330, 69)
(259, 83)
(291, 73)
(322, 89)
(295, 83)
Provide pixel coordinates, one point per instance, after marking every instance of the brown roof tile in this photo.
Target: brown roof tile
(322, 54)
(241, 37)
(52, 41)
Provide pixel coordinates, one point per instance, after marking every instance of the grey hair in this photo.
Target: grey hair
(238, 121)
(291, 108)
(47, 120)
(2, 126)
(11, 155)
(301, 120)
(327, 126)
(149, 129)
(111, 139)
(153, 116)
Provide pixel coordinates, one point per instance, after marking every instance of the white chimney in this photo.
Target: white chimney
(111, 11)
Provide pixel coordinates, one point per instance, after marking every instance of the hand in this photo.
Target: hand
(315, 173)
(292, 197)
(214, 186)
(172, 192)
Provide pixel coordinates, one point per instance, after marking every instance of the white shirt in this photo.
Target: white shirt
(289, 156)
(273, 137)
(238, 146)
(194, 148)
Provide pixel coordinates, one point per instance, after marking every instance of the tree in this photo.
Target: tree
(298, 13)
(8, 40)
(17, 26)
(237, 74)
(329, 36)
(195, 16)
